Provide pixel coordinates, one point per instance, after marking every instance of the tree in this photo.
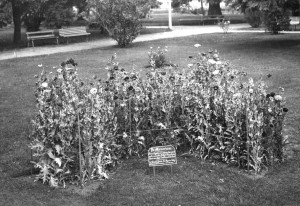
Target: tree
(214, 7)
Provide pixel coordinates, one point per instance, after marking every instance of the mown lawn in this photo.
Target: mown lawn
(193, 182)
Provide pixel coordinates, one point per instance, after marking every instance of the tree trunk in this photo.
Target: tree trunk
(214, 9)
(17, 14)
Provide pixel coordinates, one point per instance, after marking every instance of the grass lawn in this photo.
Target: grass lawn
(193, 182)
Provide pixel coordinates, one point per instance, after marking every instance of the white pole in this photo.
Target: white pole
(170, 14)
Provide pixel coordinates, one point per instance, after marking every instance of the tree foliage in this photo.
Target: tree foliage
(59, 13)
(5, 15)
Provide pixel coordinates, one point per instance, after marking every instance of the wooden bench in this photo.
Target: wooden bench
(215, 19)
(40, 35)
(295, 21)
(73, 32)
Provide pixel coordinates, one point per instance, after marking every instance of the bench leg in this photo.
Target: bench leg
(32, 43)
(57, 41)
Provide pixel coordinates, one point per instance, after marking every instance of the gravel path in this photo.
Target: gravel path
(178, 31)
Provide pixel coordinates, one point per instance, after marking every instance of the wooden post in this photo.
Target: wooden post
(153, 170)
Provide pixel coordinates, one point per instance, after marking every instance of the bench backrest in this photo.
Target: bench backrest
(40, 33)
(72, 30)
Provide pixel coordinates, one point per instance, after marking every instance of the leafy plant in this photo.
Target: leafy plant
(157, 59)
(119, 18)
(224, 25)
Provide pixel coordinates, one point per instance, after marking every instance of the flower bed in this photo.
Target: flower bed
(207, 109)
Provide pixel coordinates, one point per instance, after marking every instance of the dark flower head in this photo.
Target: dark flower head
(269, 75)
(122, 70)
(190, 57)
(172, 78)
(216, 87)
(134, 77)
(232, 77)
(126, 78)
(272, 94)
(107, 82)
(91, 83)
(285, 109)
(130, 88)
(106, 89)
(268, 95)
(115, 97)
(271, 125)
(63, 64)
(111, 78)
(116, 68)
(163, 73)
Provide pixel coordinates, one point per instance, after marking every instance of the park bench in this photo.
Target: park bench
(295, 21)
(73, 32)
(215, 19)
(40, 35)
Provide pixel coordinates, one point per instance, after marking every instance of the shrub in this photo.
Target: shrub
(276, 20)
(253, 16)
(210, 110)
(119, 18)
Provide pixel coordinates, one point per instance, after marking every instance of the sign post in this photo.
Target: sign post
(162, 155)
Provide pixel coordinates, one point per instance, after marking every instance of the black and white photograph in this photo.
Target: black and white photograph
(150, 102)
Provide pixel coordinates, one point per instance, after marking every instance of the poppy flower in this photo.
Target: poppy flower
(278, 98)
(269, 75)
(93, 91)
(285, 109)
(272, 94)
(126, 78)
(44, 84)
